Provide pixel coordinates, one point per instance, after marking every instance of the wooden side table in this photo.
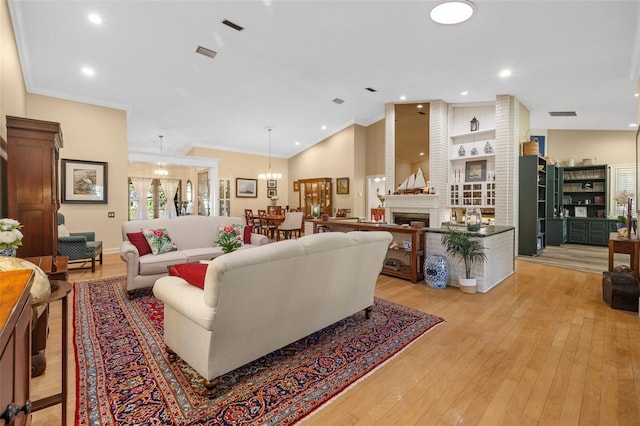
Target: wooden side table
(59, 291)
(630, 246)
(56, 267)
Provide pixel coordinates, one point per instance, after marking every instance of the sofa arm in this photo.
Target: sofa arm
(186, 299)
(129, 253)
(90, 236)
(259, 239)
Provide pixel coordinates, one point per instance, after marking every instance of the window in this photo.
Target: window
(154, 201)
(224, 200)
(623, 178)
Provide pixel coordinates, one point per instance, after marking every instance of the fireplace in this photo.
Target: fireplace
(401, 218)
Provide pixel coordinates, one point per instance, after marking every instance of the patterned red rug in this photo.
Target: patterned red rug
(124, 377)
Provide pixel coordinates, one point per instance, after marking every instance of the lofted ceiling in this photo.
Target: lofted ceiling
(293, 58)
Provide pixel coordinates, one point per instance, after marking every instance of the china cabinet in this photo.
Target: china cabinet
(318, 192)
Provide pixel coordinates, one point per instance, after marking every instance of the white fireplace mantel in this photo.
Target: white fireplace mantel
(417, 203)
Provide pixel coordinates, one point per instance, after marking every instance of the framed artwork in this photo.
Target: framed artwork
(272, 193)
(581, 212)
(246, 188)
(296, 186)
(342, 185)
(272, 183)
(84, 182)
(475, 171)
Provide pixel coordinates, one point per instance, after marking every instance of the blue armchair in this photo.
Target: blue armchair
(79, 247)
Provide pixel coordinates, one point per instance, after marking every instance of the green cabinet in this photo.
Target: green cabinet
(557, 231)
(532, 205)
(591, 231)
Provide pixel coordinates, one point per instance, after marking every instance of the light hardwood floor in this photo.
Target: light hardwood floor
(541, 348)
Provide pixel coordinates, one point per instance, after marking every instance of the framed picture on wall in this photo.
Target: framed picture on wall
(342, 185)
(475, 171)
(84, 182)
(246, 188)
(296, 186)
(272, 193)
(272, 183)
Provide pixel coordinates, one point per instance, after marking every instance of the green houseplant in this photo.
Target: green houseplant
(462, 245)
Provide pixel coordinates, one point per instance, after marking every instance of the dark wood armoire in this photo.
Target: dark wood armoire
(33, 148)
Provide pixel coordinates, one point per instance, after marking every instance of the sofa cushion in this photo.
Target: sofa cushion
(158, 264)
(159, 240)
(193, 273)
(140, 241)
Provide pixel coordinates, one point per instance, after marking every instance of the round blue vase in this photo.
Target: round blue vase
(436, 271)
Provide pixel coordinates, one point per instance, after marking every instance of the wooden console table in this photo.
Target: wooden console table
(405, 257)
(59, 291)
(630, 246)
(56, 267)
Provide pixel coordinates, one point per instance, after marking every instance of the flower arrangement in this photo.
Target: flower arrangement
(10, 235)
(381, 198)
(274, 198)
(623, 196)
(228, 239)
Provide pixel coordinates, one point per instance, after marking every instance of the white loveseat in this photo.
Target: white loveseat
(195, 237)
(257, 301)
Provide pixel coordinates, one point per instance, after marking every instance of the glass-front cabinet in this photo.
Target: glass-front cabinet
(316, 197)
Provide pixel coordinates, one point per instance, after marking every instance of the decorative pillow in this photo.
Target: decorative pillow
(159, 241)
(193, 273)
(140, 241)
(248, 229)
(63, 231)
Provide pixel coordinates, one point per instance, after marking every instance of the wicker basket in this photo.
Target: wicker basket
(530, 148)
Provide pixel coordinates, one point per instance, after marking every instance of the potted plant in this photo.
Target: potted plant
(463, 245)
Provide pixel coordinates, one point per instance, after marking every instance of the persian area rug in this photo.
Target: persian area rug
(124, 376)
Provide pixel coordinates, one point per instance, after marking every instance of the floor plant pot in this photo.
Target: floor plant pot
(467, 285)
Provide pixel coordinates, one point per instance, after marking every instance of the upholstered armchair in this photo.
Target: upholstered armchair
(291, 225)
(79, 247)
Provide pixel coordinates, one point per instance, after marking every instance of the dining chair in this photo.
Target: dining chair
(292, 225)
(252, 221)
(267, 227)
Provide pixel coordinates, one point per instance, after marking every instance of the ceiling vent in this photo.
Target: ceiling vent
(370, 89)
(233, 25)
(206, 52)
(337, 101)
(563, 114)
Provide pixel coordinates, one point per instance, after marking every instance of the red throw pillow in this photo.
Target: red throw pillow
(193, 273)
(138, 239)
(248, 229)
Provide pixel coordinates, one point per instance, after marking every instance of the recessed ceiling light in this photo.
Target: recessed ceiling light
(451, 12)
(297, 142)
(636, 95)
(95, 18)
(419, 105)
(633, 125)
(464, 93)
(403, 98)
(89, 72)
(324, 127)
(422, 154)
(505, 73)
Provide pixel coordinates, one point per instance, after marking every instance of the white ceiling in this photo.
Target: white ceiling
(294, 57)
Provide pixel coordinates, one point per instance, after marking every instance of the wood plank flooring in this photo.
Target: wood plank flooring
(541, 348)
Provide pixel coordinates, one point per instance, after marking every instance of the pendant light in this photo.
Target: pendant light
(160, 172)
(269, 175)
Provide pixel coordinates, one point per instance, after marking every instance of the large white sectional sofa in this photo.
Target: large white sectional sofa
(195, 237)
(256, 301)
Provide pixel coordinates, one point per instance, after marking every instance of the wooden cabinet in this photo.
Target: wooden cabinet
(584, 191)
(15, 347)
(590, 231)
(318, 192)
(32, 183)
(405, 257)
(532, 205)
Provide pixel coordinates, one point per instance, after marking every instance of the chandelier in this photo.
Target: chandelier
(269, 175)
(160, 172)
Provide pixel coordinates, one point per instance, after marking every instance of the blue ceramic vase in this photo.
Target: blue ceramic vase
(436, 271)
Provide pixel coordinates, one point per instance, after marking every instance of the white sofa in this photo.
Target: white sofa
(260, 300)
(195, 237)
